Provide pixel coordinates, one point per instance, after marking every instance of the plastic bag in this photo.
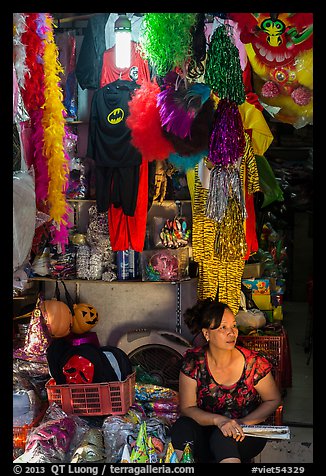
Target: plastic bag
(23, 217)
(55, 439)
(267, 181)
(117, 430)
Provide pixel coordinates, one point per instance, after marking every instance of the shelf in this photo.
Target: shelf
(27, 297)
(100, 281)
(83, 200)
(67, 122)
(289, 147)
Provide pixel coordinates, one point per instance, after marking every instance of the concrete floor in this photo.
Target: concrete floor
(298, 399)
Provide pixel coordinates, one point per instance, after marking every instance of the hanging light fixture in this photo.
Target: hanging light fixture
(122, 30)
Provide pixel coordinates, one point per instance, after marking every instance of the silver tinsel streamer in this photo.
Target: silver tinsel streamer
(224, 183)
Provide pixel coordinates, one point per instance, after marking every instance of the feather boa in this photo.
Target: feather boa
(145, 125)
(180, 105)
(54, 133)
(200, 132)
(184, 164)
(34, 87)
(19, 48)
(40, 163)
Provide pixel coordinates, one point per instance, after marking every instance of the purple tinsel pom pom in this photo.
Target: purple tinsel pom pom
(227, 142)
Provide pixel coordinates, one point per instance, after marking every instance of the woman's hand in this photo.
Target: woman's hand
(231, 428)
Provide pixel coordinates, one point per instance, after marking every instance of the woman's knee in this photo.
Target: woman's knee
(223, 447)
(184, 424)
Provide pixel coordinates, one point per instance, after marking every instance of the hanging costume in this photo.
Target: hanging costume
(99, 37)
(89, 62)
(138, 70)
(120, 174)
(220, 249)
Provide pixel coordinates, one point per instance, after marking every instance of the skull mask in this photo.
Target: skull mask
(78, 369)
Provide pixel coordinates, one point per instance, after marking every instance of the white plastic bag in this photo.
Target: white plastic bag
(24, 212)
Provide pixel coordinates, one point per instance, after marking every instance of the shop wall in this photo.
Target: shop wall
(124, 306)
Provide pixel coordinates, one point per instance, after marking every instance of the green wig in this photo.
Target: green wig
(166, 40)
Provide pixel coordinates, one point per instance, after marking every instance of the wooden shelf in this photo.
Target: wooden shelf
(100, 281)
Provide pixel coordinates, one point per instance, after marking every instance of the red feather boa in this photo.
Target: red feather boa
(145, 124)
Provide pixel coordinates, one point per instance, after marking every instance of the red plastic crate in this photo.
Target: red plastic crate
(105, 398)
(273, 347)
(276, 418)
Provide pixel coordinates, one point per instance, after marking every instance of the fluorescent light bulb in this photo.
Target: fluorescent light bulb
(122, 29)
(122, 49)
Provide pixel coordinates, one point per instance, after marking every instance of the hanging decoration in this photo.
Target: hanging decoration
(223, 70)
(166, 39)
(143, 111)
(19, 21)
(43, 97)
(227, 139)
(186, 163)
(179, 106)
(225, 184)
(200, 132)
(54, 133)
(196, 66)
(33, 96)
(280, 51)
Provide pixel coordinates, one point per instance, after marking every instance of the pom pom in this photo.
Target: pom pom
(145, 124)
(227, 141)
(301, 96)
(224, 184)
(270, 90)
(223, 70)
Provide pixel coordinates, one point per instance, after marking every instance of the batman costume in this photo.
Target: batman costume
(109, 145)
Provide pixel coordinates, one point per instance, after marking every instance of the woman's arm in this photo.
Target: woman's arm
(188, 403)
(271, 399)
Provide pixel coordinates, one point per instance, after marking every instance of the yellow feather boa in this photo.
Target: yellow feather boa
(53, 124)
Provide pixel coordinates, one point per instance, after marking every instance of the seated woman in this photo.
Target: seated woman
(221, 387)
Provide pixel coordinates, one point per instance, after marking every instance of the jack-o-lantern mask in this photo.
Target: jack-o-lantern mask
(78, 369)
(84, 318)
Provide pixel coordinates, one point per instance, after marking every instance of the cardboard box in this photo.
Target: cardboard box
(257, 286)
(253, 270)
(165, 264)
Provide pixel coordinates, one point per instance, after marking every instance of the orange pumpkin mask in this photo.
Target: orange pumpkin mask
(85, 317)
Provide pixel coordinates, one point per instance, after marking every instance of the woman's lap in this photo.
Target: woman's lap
(210, 445)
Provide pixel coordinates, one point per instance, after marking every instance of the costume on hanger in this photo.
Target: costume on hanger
(138, 70)
(117, 160)
(89, 63)
(99, 37)
(250, 184)
(121, 177)
(219, 271)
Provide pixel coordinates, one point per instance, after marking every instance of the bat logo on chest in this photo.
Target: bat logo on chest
(116, 116)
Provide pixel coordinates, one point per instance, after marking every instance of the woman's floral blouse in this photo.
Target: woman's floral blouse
(233, 401)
